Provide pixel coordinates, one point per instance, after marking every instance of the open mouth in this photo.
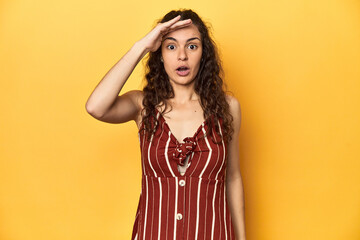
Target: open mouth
(183, 71)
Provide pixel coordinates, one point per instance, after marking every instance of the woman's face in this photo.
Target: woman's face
(181, 51)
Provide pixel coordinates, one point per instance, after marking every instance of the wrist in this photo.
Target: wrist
(140, 46)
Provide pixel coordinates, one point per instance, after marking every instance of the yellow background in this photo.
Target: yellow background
(293, 65)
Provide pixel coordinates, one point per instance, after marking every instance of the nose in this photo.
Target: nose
(182, 54)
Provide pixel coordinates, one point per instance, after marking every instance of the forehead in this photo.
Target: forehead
(184, 33)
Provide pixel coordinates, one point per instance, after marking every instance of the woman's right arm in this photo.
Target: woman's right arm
(104, 103)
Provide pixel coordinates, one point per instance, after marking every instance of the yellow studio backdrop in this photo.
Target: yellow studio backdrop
(294, 66)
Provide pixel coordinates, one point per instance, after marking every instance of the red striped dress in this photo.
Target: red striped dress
(191, 206)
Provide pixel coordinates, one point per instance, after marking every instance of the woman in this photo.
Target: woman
(188, 132)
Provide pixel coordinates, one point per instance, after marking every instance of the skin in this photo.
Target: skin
(182, 47)
(179, 47)
(186, 115)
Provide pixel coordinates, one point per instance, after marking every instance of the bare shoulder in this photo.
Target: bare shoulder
(235, 110)
(234, 104)
(138, 96)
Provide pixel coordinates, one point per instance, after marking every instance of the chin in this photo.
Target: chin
(184, 81)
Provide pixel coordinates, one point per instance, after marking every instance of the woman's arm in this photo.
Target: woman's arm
(234, 185)
(104, 102)
(108, 89)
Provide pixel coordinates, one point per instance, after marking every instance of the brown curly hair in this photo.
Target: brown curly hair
(208, 85)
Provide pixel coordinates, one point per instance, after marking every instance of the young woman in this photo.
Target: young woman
(188, 132)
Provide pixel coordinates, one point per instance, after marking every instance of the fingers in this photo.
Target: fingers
(175, 23)
(172, 21)
(180, 24)
(176, 26)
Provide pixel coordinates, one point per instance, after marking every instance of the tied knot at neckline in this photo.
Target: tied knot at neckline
(184, 149)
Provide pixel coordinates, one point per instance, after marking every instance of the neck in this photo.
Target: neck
(184, 94)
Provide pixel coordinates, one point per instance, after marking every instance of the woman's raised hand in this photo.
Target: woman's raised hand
(153, 39)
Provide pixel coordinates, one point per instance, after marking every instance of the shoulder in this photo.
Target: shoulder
(234, 104)
(235, 110)
(137, 97)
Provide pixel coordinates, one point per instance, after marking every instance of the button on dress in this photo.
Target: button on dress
(191, 206)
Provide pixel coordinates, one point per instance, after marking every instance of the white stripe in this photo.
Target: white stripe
(160, 208)
(219, 207)
(142, 155)
(197, 160)
(217, 160)
(225, 223)
(189, 207)
(167, 212)
(156, 151)
(210, 153)
(166, 155)
(176, 205)
(224, 152)
(146, 206)
(225, 214)
(149, 159)
(213, 220)
(206, 203)
(152, 207)
(197, 209)
(207, 162)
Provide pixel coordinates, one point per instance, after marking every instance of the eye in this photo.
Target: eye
(171, 47)
(192, 46)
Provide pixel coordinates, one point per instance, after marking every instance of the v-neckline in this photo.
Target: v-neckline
(173, 136)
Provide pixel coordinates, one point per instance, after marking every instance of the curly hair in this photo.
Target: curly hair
(209, 84)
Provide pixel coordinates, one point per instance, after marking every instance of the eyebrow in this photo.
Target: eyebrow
(190, 39)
